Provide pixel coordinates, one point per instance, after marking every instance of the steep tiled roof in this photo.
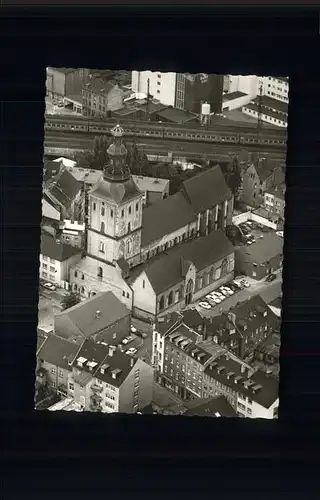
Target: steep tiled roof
(207, 189)
(57, 351)
(99, 354)
(165, 270)
(91, 316)
(116, 192)
(214, 407)
(55, 250)
(64, 188)
(164, 217)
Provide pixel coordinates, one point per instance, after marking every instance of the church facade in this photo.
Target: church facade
(127, 244)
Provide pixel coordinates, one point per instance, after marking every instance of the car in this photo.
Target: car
(271, 277)
(133, 329)
(215, 299)
(245, 283)
(205, 305)
(127, 340)
(131, 351)
(228, 290)
(49, 286)
(224, 292)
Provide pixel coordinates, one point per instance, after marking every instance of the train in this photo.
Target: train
(226, 134)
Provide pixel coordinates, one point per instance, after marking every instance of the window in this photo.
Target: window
(102, 227)
(170, 298)
(128, 295)
(52, 261)
(45, 266)
(71, 386)
(137, 207)
(45, 257)
(61, 373)
(218, 273)
(101, 247)
(129, 227)
(51, 276)
(53, 370)
(158, 91)
(76, 274)
(75, 287)
(100, 272)
(122, 213)
(111, 213)
(52, 269)
(161, 303)
(129, 210)
(143, 284)
(94, 206)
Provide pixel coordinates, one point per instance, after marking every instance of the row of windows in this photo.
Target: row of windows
(54, 371)
(45, 275)
(45, 266)
(103, 211)
(44, 257)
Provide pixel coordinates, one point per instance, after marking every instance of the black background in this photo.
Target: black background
(51, 454)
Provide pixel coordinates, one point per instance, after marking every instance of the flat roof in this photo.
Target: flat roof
(176, 115)
(233, 95)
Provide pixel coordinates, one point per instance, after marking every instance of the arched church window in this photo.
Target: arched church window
(129, 227)
(100, 272)
(170, 298)
(137, 207)
(102, 227)
(224, 267)
(161, 303)
(111, 213)
(102, 211)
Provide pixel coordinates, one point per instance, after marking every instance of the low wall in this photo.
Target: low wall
(251, 216)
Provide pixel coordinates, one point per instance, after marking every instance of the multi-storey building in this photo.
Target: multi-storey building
(100, 98)
(182, 90)
(244, 327)
(56, 259)
(106, 380)
(62, 82)
(103, 318)
(274, 200)
(63, 197)
(261, 175)
(95, 376)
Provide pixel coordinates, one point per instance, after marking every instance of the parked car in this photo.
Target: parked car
(214, 298)
(245, 283)
(127, 340)
(131, 351)
(233, 287)
(205, 305)
(49, 286)
(271, 277)
(133, 329)
(228, 290)
(223, 291)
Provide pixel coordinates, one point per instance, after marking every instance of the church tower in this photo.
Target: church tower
(115, 210)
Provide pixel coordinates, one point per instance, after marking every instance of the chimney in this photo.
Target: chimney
(111, 350)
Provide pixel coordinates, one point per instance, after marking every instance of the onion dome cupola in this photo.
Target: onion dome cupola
(117, 169)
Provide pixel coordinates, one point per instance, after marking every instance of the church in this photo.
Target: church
(159, 258)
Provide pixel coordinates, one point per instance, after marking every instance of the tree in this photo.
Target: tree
(70, 300)
(232, 175)
(101, 144)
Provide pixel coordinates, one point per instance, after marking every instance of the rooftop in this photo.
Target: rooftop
(63, 188)
(151, 184)
(277, 191)
(233, 95)
(259, 387)
(112, 369)
(214, 407)
(267, 111)
(57, 351)
(51, 168)
(165, 216)
(264, 249)
(55, 250)
(86, 175)
(266, 214)
(176, 115)
(206, 189)
(67, 404)
(168, 269)
(271, 345)
(91, 316)
(117, 192)
(98, 86)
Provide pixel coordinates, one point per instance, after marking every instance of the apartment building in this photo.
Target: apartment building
(261, 175)
(100, 98)
(181, 90)
(56, 259)
(62, 82)
(274, 200)
(244, 327)
(103, 379)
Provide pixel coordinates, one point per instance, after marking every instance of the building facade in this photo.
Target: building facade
(62, 82)
(274, 200)
(100, 98)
